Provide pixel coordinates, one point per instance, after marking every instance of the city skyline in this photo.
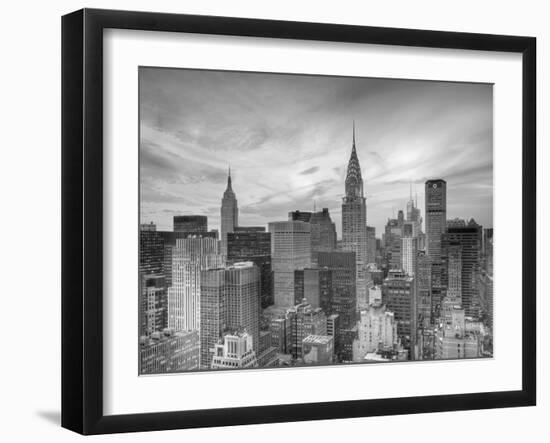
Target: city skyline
(406, 133)
(353, 279)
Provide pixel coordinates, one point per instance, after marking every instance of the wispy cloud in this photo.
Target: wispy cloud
(288, 141)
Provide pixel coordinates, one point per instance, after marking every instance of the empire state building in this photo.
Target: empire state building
(229, 214)
(354, 220)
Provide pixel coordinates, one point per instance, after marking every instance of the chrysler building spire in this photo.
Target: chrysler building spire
(354, 181)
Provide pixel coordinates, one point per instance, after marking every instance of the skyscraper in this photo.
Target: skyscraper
(409, 252)
(354, 219)
(398, 294)
(229, 213)
(189, 257)
(290, 250)
(229, 302)
(468, 237)
(371, 244)
(255, 246)
(323, 232)
(377, 329)
(190, 223)
(436, 216)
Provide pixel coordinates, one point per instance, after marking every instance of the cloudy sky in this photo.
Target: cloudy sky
(288, 140)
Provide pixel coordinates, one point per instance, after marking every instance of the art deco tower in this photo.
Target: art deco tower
(229, 214)
(354, 220)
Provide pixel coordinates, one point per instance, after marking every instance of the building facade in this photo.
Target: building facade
(190, 223)
(354, 219)
(169, 351)
(234, 351)
(229, 214)
(189, 257)
(290, 250)
(436, 216)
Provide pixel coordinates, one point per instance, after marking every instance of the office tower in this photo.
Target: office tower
(169, 238)
(304, 321)
(253, 244)
(281, 334)
(169, 351)
(376, 329)
(354, 219)
(189, 257)
(392, 241)
(409, 252)
(485, 288)
(436, 216)
(318, 349)
(314, 285)
(323, 232)
(151, 252)
(424, 290)
(468, 236)
(371, 244)
(153, 306)
(229, 302)
(229, 213)
(344, 298)
(290, 250)
(297, 215)
(213, 313)
(453, 259)
(234, 351)
(267, 353)
(398, 294)
(190, 223)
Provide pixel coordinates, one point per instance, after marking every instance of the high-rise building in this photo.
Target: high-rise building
(409, 253)
(318, 349)
(229, 213)
(304, 321)
(190, 223)
(371, 244)
(436, 216)
(485, 288)
(354, 219)
(290, 250)
(424, 290)
(153, 307)
(314, 285)
(229, 302)
(267, 353)
(469, 239)
(398, 294)
(323, 232)
(253, 245)
(376, 329)
(189, 257)
(452, 257)
(169, 351)
(344, 296)
(298, 215)
(234, 351)
(393, 233)
(151, 252)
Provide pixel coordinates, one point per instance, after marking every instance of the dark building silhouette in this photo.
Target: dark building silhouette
(253, 244)
(436, 216)
(190, 223)
(469, 237)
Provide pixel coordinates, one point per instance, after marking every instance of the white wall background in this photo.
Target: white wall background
(30, 218)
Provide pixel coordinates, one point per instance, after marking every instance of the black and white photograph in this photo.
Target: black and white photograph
(290, 220)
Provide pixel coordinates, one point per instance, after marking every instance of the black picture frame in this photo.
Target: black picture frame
(82, 219)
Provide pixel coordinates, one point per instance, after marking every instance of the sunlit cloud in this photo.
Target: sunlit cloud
(288, 139)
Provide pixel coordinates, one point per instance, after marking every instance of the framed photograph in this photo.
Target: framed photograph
(268, 221)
